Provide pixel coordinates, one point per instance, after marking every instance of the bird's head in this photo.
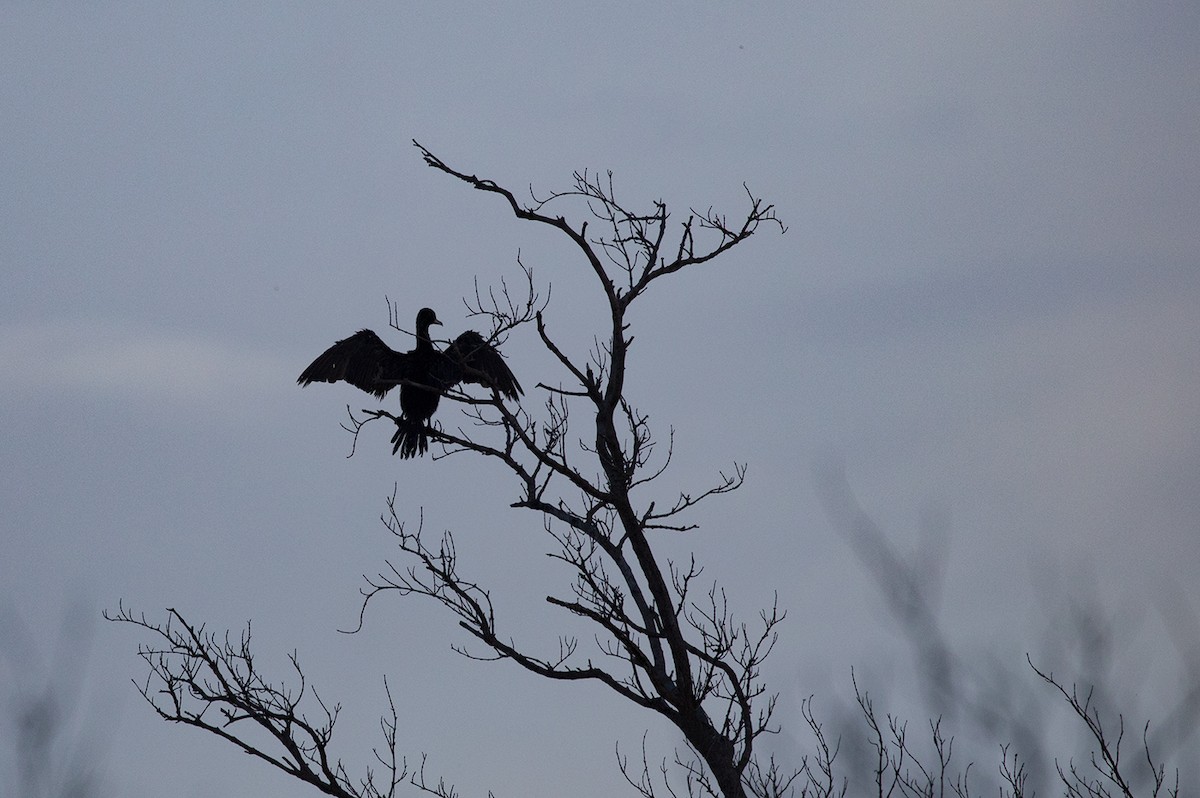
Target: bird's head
(425, 318)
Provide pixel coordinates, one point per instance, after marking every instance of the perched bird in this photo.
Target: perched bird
(424, 374)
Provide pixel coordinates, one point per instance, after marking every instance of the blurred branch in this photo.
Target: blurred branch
(55, 752)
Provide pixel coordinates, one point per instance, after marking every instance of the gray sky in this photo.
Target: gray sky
(987, 303)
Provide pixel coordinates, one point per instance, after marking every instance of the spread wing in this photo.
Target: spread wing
(483, 364)
(363, 360)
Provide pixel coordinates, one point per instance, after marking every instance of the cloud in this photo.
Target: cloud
(118, 361)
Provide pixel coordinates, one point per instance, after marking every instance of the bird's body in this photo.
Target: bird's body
(424, 374)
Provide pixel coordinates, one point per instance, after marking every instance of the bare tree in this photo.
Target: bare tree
(661, 639)
(587, 461)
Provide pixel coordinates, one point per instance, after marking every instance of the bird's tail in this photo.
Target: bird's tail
(411, 438)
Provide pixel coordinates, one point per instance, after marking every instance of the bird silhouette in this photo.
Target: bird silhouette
(424, 374)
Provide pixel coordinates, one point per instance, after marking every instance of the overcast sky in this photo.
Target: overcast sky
(986, 309)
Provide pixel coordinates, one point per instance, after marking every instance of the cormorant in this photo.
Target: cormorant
(423, 374)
